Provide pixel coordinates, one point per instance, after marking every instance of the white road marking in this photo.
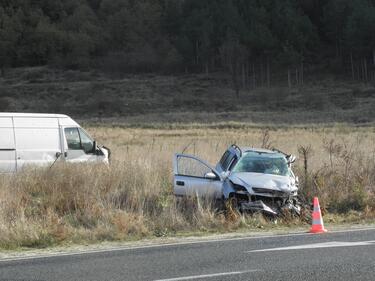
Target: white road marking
(171, 244)
(332, 244)
(206, 276)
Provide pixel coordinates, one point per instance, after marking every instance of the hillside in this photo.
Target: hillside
(95, 96)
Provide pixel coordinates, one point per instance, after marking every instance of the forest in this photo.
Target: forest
(192, 36)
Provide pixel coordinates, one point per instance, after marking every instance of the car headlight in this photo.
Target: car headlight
(238, 187)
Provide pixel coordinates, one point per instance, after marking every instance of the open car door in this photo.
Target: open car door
(193, 176)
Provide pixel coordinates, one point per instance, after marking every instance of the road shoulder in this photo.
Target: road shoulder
(66, 250)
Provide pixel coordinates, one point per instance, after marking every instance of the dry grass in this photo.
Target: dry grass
(133, 198)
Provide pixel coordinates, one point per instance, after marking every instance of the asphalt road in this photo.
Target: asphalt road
(344, 255)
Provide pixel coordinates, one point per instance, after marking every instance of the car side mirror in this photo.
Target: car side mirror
(291, 159)
(210, 176)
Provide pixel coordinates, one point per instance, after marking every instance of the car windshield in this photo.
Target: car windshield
(265, 163)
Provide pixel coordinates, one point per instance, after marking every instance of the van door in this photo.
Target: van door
(37, 141)
(79, 146)
(7, 146)
(193, 176)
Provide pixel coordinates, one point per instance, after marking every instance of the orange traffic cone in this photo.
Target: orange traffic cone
(317, 220)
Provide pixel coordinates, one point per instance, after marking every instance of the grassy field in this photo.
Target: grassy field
(202, 98)
(133, 198)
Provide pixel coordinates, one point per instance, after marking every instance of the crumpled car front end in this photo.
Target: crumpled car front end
(268, 193)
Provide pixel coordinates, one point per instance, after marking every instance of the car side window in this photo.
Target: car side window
(227, 161)
(72, 138)
(224, 157)
(232, 162)
(191, 167)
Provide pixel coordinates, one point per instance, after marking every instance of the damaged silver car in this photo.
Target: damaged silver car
(245, 178)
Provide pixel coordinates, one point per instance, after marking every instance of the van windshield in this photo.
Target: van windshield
(265, 163)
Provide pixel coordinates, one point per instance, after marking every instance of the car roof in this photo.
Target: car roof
(239, 150)
(38, 115)
(260, 150)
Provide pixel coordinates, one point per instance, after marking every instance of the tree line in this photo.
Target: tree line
(251, 39)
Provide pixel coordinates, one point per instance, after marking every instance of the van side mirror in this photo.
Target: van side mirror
(94, 147)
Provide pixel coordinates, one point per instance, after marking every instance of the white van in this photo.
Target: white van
(43, 139)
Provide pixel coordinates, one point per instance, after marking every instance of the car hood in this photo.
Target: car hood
(283, 184)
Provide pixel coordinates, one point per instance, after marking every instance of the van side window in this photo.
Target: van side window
(72, 138)
(78, 139)
(86, 142)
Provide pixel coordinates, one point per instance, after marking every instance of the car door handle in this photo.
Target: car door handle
(181, 183)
